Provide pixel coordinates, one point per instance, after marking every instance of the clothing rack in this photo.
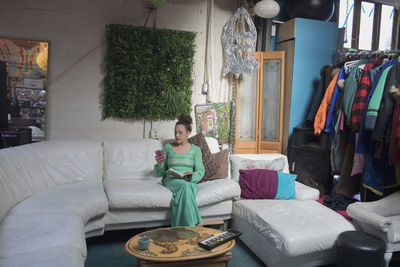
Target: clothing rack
(368, 54)
(363, 121)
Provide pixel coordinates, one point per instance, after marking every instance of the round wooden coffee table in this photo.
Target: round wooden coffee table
(177, 246)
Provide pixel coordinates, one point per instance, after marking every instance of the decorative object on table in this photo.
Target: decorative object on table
(213, 120)
(26, 62)
(267, 9)
(239, 47)
(148, 73)
(311, 9)
(143, 242)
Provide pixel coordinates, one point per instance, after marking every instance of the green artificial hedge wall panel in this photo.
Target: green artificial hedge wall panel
(148, 73)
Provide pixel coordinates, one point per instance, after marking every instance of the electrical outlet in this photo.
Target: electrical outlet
(154, 133)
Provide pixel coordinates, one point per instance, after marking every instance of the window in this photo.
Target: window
(346, 20)
(386, 27)
(368, 24)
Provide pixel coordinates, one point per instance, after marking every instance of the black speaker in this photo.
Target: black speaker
(305, 137)
(309, 156)
(3, 96)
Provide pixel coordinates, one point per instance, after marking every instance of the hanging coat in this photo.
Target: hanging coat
(375, 102)
(360, 99)
(320, 118)
(350, 88)
(330, 121)
(394, 151)
(381, 133)
(364, 135)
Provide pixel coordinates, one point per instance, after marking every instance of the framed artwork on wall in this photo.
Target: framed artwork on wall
(26, 65)
(213, 120)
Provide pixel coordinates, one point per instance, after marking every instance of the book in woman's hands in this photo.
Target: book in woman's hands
(177, 174)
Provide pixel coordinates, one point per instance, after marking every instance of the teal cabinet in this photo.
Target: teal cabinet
(308, 45)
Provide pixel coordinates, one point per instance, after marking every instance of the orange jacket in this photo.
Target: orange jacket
(320, 118)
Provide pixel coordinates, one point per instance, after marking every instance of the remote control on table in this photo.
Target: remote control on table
(219, 239)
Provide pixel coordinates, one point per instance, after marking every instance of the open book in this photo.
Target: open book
(177, 174)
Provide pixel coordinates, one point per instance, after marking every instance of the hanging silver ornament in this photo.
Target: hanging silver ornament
(239, 47)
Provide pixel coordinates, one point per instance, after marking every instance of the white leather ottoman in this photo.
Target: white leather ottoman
(289, 232)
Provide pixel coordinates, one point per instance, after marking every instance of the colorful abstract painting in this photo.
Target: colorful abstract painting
(26, 78)
(213, 120)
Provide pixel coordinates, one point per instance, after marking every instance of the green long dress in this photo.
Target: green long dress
(183, 204)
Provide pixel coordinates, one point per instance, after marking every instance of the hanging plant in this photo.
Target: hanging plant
(148, 73)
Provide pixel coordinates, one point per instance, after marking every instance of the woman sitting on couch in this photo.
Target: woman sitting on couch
(182, 157)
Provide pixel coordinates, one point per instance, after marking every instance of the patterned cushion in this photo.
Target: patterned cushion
(238, 163)
(208, 159)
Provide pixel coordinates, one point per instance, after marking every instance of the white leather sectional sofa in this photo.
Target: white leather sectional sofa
(54, 194)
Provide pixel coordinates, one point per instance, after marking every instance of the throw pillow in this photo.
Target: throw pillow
(221, 161)
(266, 184)
(208, 159)
(238, 163)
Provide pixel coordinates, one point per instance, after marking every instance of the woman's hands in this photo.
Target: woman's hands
(159, 157)
(159, 160)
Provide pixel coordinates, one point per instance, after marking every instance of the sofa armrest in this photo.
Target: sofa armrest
(370, 218)
(304, 192)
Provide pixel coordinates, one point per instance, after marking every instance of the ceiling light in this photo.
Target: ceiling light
(267, 9)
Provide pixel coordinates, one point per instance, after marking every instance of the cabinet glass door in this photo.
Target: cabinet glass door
(247, 114)
(260, 106)
(271, 95)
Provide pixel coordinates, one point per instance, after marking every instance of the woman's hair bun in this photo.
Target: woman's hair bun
(185, 119)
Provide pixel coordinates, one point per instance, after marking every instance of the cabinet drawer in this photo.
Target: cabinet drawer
(286, 31)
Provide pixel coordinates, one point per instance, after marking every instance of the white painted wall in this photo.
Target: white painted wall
(75, 30)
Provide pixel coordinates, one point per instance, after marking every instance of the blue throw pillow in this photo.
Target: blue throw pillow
(286, 186)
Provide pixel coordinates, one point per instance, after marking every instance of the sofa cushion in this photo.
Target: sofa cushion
(216, 191)
(136, 193)
(293, 227)
(208, 158)
(277, 162)
(131, 194)
(33, 168)
(212, 144)
(304, 192)
(266, 184)
(130, 158)
(49, 257)
(85, 198)
(26, 233)
(221, 160)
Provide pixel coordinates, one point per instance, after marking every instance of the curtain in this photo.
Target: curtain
(219, 87)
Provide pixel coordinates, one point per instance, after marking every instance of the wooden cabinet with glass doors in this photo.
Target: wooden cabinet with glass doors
(259, 111)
